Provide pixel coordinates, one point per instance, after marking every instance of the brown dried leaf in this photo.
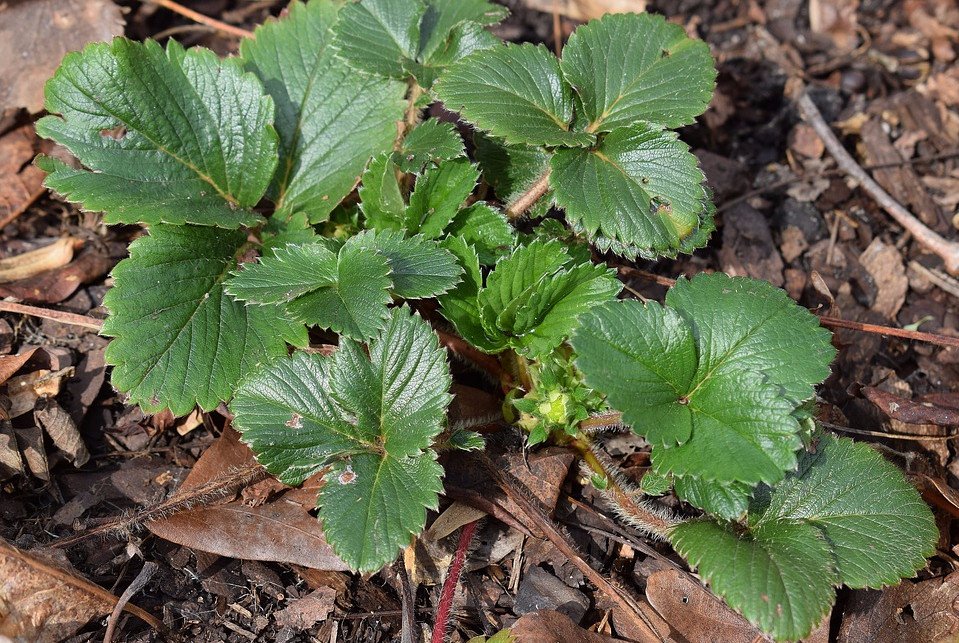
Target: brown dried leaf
(34, 36)
(21, 182)
(25, 390)
(694, 612)
(42, 603)
(884, 263)
(32, 263)
(54, 286)
(941, 409)
(584, 10)
(549, 625)
(305, 612)
(62, 431)
(280, 530)
(10, 364)
(837, 19)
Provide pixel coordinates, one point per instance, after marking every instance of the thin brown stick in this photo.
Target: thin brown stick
(516, 491)
(525, 201)
(146, 573)
(213, 23)
(54, 315)
(557, 29)
(947, 250)
(825, 320)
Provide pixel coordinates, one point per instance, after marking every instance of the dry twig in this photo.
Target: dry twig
(213, 23)
(947, 250)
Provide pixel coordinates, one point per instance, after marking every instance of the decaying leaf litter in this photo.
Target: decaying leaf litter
(880, 75)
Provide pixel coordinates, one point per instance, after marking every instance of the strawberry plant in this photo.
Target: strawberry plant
(296, 187)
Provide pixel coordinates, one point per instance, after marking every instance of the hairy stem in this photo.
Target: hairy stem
(525, 201)
(441, 625)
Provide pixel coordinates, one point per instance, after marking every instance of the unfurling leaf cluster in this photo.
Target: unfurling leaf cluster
(292, 194)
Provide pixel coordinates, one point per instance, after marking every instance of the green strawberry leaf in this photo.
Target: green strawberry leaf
(378, 36)
(464, 39)
(713, 380)
(845, 516)
(380, 197)
(460, 306)
(640, 186)
(347, 292)
(419, 268)
(779, 576)
(157, 149)
(437, 196)
(432, 141)
(371, 420)
(728, 500)
(487, 229)
(330, 119)
(175, 349)
(515, 92)
(638, 67)
(443, 16)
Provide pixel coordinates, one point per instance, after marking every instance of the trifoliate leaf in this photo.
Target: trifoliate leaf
(372, 419)
(380, 197)
(438, 194)
(176, 347)
(419, 268)
(515, 92)
(347, 292)
(430, 142)
(846, 516)
(713, 380)
(641, 186)
(377, 36)
(879, 528)
(331, 120)
(779, 576)
(443, 16)
(169, 136)
(460, 307)
(638, 67)
(727, 500)
(487, 229)
(512, 169)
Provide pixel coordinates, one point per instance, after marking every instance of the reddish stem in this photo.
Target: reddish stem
(452, 581)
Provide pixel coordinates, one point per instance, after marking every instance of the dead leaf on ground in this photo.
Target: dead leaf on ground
(42, 603)
(884, 263)
(920, 612)
(694, 612)
(53, 286)
(548, 626)
(584, 10)
(35, 35)
(305, 612)
(941, 409)
(280, 530)
(748, 248)
(21, 182)
(32, 263)
(838, 20)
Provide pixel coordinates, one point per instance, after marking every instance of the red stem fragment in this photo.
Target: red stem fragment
(452, 581)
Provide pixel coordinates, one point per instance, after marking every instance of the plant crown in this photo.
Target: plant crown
(243, 171)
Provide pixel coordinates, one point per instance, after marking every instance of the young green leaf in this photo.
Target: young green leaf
(531, 301)
(640, 186)
(378, 36)
(176, 348)
(371, 419)
(485, 228)
(726, 364)
(169, 136)
(330, 119)
(515, 92)
(347, 292)
(419, 268)
(460, 306)
(728, 500)
(438, 194)
(380, 197)
(846, 516)
(464, 39)
(638, 67)
(430, 142)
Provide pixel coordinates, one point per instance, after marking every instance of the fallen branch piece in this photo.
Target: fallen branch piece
(947, 250)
